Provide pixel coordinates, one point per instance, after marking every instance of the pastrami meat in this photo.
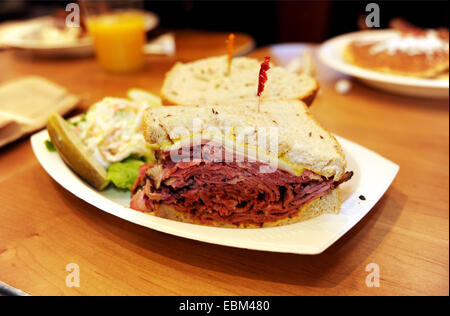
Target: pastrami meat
(233, 192)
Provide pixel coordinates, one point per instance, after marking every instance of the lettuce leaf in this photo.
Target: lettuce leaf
(123, 174)
(50, 146)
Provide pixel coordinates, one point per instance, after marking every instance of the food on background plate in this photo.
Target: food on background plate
(53, 30)
(209, 82)
(259, 185)
(50, 35)
(443, 76)
(105, 145)
(410, 51)
(57, 31)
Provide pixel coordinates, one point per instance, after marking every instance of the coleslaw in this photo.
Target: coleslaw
(111, 130)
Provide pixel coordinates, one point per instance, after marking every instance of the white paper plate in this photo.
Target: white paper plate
(373, 175)
(330, 54)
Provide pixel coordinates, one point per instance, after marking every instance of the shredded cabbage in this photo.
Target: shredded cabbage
(111, 130)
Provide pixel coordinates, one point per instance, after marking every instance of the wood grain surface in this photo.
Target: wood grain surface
(44, 227)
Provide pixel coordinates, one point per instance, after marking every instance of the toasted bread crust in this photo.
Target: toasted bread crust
(308, 99)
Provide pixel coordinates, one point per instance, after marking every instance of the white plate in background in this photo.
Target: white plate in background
(19, 35)
(331, 51)
(373, 175)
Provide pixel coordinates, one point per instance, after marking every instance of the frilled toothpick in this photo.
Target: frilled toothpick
(262, 78)
(230, 45)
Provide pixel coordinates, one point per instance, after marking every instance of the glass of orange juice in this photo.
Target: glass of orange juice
(118, 31)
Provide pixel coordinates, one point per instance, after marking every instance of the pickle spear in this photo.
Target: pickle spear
(136, 94)
(74, 153)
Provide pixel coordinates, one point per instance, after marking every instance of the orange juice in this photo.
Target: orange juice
(119, 40)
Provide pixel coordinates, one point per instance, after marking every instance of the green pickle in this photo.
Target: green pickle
(74, 153)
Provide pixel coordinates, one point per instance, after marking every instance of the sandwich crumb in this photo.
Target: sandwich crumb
(275, 122)
(310, 134)
(362, 197)
(321, 136)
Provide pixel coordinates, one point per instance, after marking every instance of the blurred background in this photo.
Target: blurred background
(269, 21)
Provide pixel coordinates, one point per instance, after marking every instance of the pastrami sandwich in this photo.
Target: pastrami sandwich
(232, 166)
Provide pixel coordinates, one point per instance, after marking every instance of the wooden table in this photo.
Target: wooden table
(44, 227)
